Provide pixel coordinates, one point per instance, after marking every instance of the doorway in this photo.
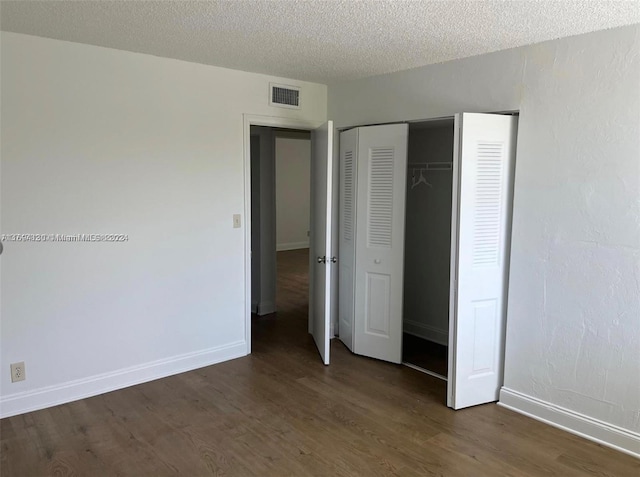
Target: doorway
(320, 260)
(280, 208)
(427, 247)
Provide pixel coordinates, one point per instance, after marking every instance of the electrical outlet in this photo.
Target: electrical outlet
(18, 372)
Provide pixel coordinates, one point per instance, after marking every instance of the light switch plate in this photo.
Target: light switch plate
(237, 221)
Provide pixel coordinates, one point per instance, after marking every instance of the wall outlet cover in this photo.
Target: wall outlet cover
(18, 372)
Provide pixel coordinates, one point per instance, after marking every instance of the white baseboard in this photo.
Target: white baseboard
(42, 398)
(282, 247)
(426, 332)
(584, 426)
(266, 308)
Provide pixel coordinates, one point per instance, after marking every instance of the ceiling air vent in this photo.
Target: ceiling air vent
(284, 96)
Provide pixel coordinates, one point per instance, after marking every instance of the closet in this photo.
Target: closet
(424, 236)
(427, 257)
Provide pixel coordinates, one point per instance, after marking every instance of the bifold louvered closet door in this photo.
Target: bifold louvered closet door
(373, 162)
(482, 187)
(372, 210)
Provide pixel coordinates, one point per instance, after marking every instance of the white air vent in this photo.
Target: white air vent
(284, 96)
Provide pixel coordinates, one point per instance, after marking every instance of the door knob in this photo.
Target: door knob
(376, 261)
(322, 259)
(334, 259)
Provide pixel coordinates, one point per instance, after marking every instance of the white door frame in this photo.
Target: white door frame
(248, 121)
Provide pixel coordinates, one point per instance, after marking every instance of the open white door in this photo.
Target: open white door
(379, 241)
(482, 193)
(320, 249)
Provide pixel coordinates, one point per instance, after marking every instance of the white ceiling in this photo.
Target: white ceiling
(323, 41)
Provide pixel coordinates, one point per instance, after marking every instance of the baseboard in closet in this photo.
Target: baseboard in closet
(426, 332)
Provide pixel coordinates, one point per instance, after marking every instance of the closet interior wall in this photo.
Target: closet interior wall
(428, 232)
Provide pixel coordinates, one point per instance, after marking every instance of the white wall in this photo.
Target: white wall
(293, 176)
(428, 236)
(573, 332)
(104, 141)
(263, 230)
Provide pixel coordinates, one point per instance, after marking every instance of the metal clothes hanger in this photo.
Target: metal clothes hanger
(421, 179)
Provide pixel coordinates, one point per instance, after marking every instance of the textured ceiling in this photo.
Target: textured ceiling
(321, 41)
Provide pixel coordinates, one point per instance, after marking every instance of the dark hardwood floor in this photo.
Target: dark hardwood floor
(280, 412)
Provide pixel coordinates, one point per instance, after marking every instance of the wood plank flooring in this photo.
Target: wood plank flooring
(280, 412)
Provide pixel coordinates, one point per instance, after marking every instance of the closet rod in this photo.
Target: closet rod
(430, 165)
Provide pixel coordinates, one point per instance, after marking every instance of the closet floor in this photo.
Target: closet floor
(424, 354)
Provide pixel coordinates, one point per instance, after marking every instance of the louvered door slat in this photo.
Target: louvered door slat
(380, 197)
(347, 196)
(488, 203)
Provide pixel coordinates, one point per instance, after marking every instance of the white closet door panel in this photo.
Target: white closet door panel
(486, 156)
(379, 241)
(320, 235)
(346, 261)
(377, 313)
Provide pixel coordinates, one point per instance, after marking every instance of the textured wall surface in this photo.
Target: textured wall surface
(573, 322)
(573, 335)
